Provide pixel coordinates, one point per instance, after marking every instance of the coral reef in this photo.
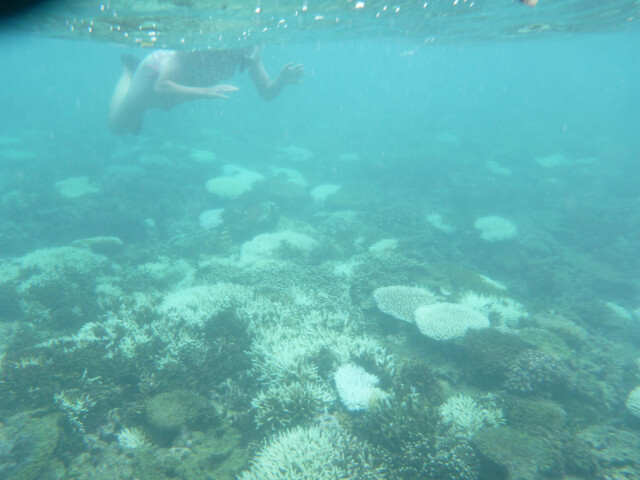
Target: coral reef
(488, 355)
(290, 404)
(162, 328)
(524, 456)
(27, 444)
(438, 458)
(464, 417)
(535, 371)
(174, 410)
(538, 416)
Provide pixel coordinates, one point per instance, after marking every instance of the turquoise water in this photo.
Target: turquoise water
(420, 263)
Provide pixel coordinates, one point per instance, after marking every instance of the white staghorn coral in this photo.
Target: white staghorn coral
(197, 304)
(311, 453)
(507, 311)
(132, 438)
(76, 405)
(464, 416)
(292, 339)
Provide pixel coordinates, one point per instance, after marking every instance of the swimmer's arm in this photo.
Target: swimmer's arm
(268, 90)
(169, 87)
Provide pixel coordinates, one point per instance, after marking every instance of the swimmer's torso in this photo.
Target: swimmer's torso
(204, 69)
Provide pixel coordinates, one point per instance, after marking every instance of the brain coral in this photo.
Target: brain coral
(443, 321)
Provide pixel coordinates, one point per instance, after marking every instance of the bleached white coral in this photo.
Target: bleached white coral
(464, 416)
(437, 222)
(295, 153)
(301, 453)
(165, 270)
(357, 388)
(234, 182)
(494, 283)
(347, 268)
(76, 405)
(266, 246)
(132, 438)
(197, 304)
(49, 265)
(289, 339)
(108, 295)
(558, 160)
(401, 302)
(75, 187)
(210, 219)
(444, 321)
(322, 192)
(383, 247)
(509, 311)
(619, 310)
(505, 310)
(633, 401)
(227, 187)
(202, 156)
(292, 176)
(246, 176)
(495, 229)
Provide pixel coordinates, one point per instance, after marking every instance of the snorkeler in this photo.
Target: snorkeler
(166, 78)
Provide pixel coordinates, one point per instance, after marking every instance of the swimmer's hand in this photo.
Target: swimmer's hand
(219, 91)
(291, 74)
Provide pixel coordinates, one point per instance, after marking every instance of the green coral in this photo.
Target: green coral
(489, 354)
(438, 458)
(535, 415)
(388, 425)
(566, 328)
(290, 404)
(217, 453)
(173, 410)
(546, 341)
(525, 457)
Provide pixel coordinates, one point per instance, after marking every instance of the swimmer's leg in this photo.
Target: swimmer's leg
(129, 62)
(131, 97)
